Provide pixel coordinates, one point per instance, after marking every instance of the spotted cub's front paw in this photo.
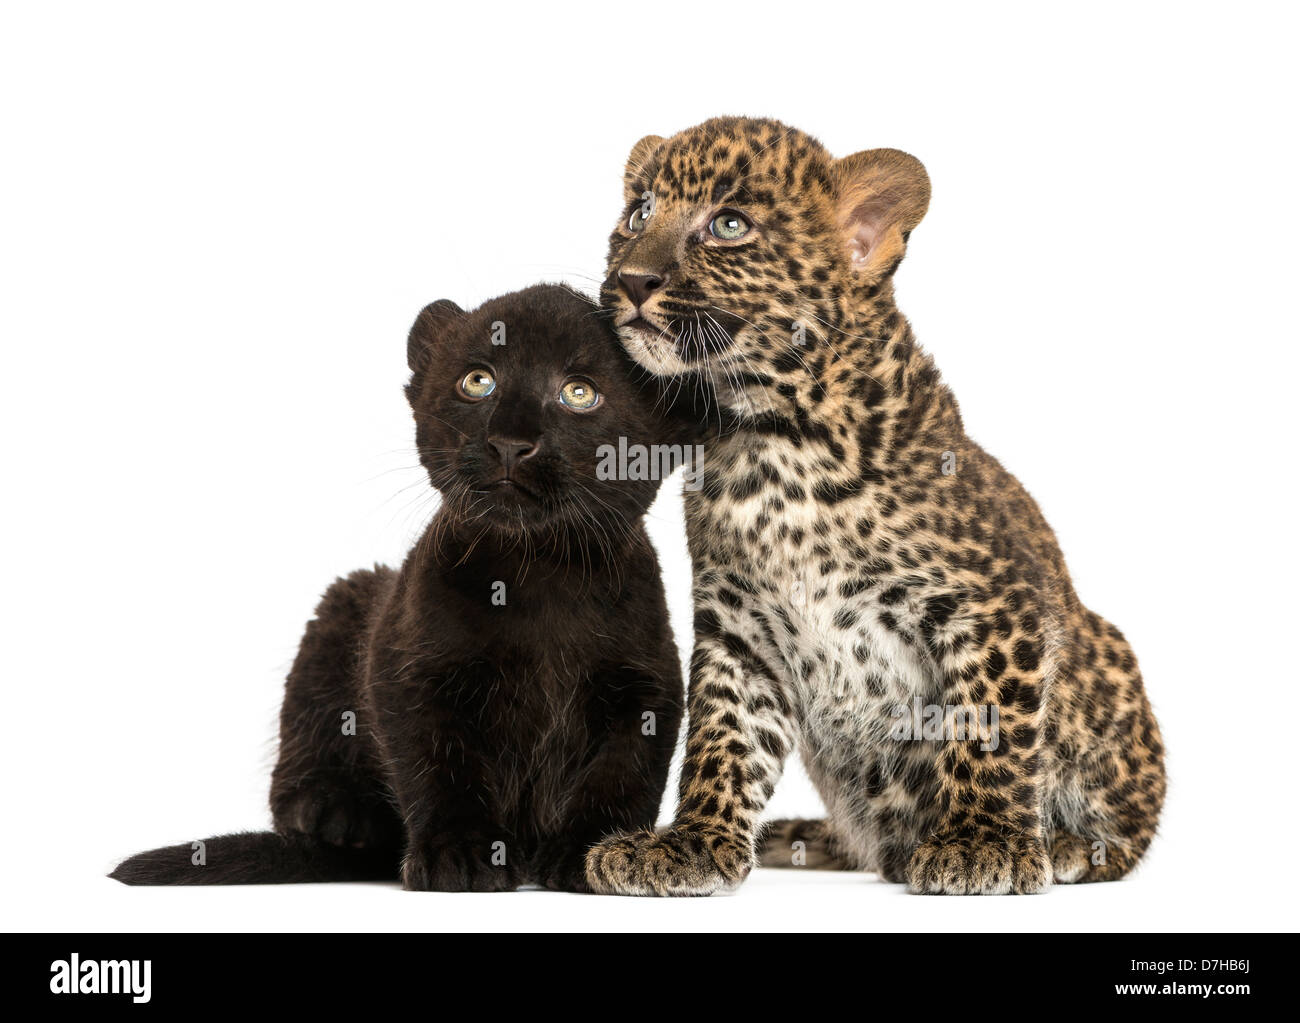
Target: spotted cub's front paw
(988, 865)
(465, 864)
(677, 861)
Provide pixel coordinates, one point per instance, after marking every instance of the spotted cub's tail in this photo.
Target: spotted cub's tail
(800, 843)
(257, 857)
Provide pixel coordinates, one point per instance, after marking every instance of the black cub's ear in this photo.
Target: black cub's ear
(639, 164)
(434, 321)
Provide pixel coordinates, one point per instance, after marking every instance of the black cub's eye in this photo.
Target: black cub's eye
(580, 395)
(477, 383)
(729, 225)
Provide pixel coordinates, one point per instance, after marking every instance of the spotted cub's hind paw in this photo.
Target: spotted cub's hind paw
(793, 842)
(1070, 859)
(677, 861)
(1079, 860)
(982, 866)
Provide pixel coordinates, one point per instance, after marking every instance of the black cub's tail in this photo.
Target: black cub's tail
(258, 857)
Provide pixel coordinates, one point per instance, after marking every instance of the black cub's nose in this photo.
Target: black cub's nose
(639, 287)
(511, 452)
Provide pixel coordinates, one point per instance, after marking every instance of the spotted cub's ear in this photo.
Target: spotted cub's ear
(639, 162)
(881, 195)
(434, 321)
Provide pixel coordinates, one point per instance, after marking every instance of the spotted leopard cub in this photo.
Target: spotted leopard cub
(870, 584)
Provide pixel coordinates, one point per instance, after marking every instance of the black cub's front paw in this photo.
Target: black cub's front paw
(464, 863)
(561, 865)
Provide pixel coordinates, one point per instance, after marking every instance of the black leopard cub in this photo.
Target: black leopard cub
(478, 718)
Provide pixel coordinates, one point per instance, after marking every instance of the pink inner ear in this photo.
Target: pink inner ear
(866, 235)
(867, 226)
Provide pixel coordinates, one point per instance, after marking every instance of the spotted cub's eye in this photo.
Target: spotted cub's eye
(477, 383)
(636, 222)
(729, 225)
(580, 394)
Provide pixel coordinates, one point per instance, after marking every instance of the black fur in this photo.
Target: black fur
(493, 743)
(259, 857)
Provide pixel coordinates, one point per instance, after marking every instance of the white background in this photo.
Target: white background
(218, 224)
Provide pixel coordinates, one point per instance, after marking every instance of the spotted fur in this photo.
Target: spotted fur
(857, 554)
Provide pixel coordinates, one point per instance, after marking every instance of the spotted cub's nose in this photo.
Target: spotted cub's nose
(640, 287)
